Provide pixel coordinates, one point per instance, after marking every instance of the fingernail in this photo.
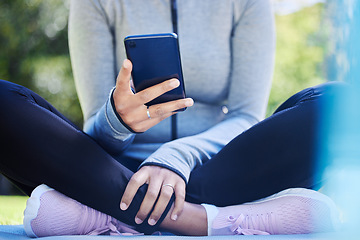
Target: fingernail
(174, 83)
(126, 64)
(152, 222)
(189, 102)
(123, 206)
(138, 220)
(174, 217)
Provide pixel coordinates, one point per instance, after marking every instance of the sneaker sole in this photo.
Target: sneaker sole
(307, 193)
(32, 208)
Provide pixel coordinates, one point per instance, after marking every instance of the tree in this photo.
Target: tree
(34, 51)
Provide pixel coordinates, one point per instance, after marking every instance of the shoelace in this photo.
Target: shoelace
(249, 225)
(115, 230)
(104, 224)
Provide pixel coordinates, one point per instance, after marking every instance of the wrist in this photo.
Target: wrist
(112, 101)
(165, 166)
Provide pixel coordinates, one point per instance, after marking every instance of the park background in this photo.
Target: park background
(34, 53)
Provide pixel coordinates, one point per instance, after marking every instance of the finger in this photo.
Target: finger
(165, 196)
(136, 181)
(161, 109)
(123, 79)
(142, 118)
(179, 201)
(148, 123)
(149, 199)
(155, 91)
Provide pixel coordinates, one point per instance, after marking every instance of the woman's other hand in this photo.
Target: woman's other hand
(131, 106)
(162, 184)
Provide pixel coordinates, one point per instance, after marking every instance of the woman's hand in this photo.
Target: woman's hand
(131, 107)
(162, 183)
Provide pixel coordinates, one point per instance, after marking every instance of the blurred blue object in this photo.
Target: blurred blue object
(340, 135)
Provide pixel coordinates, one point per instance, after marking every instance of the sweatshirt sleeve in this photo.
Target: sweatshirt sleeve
(92, 50)
(253, 44)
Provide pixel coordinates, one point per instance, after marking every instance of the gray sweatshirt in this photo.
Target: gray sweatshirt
(227, 52)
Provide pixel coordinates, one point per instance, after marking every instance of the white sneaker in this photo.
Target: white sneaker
(50, 213)
(292, 211)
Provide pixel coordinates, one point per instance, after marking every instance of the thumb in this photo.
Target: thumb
(123, 79)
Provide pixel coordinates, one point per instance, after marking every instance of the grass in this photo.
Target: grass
(12, 209)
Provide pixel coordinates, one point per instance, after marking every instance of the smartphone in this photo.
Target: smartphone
(155, 58)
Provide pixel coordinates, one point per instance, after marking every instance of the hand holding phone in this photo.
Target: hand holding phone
(155, 58)
(131, 106)
(155, 67)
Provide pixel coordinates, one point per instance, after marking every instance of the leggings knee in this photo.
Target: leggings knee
(316, 93)
(12, 96)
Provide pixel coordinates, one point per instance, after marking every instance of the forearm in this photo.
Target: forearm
(184, 154)
(108, 131)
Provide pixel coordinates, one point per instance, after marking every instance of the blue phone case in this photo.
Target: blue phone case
(155, 58)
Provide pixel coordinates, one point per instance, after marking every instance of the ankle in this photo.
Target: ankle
(211, 212)
(192, 221)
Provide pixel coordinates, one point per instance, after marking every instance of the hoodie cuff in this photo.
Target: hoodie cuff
(114, 117)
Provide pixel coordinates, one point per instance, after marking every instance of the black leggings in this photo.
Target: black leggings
(39, 145)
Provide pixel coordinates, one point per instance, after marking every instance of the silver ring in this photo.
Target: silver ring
(169, 185)
(148, 113)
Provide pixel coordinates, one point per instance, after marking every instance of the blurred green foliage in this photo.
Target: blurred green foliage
(300, 51)
(34, 51)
